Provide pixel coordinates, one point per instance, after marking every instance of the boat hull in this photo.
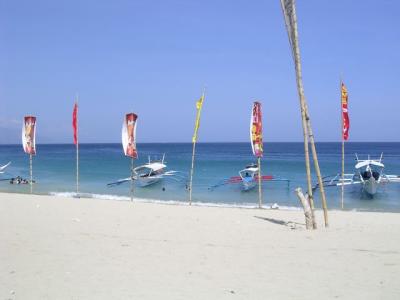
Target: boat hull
(146, 181)
(371, 186)
(248, 184)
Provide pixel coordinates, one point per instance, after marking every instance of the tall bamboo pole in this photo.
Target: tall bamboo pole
(317, 170)
(259, 183)
(292, 30)
(31, 173)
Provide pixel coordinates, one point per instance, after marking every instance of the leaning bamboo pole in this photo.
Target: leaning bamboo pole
(317, 169)
(291, 26)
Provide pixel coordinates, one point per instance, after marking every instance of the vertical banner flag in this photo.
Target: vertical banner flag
(256, 130)
(129, 135)
(28, 135)
(345, 113)
(75, 123)
(199, 105)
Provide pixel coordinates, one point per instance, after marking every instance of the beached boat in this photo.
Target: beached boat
(368, 174)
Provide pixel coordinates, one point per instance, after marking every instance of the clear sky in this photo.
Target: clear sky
(154, 57)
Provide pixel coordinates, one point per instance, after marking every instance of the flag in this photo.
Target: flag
(199, 105)
(345, 113)
(129, 135)
(256, 130)
(28, 135)
(75, 123)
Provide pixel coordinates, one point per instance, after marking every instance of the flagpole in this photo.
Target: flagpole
(259, 183)
(31, 172)
(132, 185)
(194, 145)
(77, 149)
(191, 174)
(341, 113)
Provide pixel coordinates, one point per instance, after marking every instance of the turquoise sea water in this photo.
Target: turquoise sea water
(54, 171)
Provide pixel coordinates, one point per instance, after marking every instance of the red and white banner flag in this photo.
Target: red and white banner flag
(75, 123)
(28, 135)
(256, 130)
(345, 113)
(129, 135)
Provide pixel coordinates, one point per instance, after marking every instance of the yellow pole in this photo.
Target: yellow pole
(191, 174)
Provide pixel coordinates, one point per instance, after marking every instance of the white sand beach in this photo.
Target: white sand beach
(62, 248)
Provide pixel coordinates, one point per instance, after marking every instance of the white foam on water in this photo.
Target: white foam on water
(273, 206)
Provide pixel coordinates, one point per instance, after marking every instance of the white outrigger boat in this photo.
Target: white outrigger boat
(151, 173)
(248, 178)
(369, 174)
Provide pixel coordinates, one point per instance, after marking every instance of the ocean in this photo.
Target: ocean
(54, 172)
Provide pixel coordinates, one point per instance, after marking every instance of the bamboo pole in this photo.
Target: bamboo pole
(317, 169)
(306, 207)
(30, 173)
(191, 174)
(132, 179)
(259, 183)
(304, 116)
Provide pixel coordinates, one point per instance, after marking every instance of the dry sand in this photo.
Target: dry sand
(61, 248)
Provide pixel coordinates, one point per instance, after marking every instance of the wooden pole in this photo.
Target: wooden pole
(259, 184)
(342, 200)
(306, 207)
(317, 170)
(132, 179)
(304, 117)
(77, 149)
(191, 174)
(31, 173)
(341, 130)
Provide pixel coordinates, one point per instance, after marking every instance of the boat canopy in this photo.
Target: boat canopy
(155, 166)
(365, 163)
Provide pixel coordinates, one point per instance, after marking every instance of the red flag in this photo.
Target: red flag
(75, 123)
(345, 114)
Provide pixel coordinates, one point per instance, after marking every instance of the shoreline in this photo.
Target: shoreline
(79, 248)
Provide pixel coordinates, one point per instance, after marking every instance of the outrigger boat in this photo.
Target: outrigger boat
(369, 174)
(248, 178)
(151, 173)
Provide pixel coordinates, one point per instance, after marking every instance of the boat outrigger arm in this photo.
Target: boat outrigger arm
(369, 174)
(2, 168)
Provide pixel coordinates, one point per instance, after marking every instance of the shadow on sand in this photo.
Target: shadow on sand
(281, 222)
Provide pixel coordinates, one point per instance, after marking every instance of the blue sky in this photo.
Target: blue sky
(155, 57)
